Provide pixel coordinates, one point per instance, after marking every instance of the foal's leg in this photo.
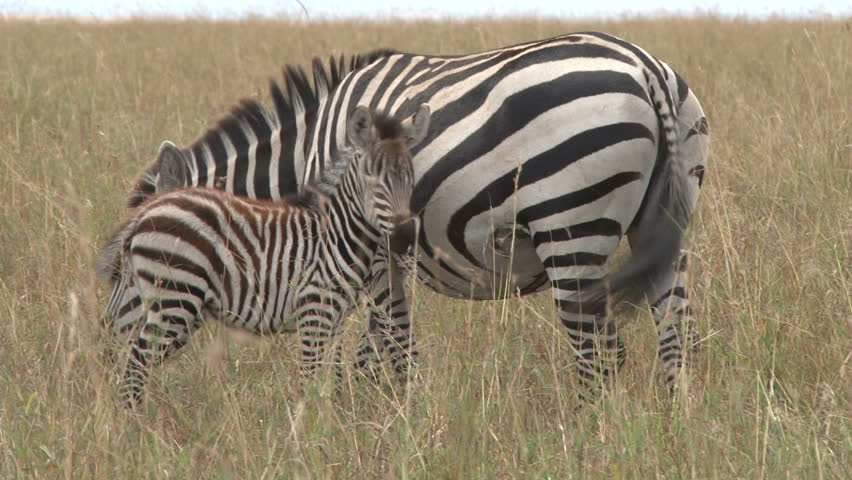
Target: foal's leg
(168, 325)
(320, 315)
(389, 334)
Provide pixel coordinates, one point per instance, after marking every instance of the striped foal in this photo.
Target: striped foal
(264, 266)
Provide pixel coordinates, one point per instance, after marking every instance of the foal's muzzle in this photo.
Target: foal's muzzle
(404, 233)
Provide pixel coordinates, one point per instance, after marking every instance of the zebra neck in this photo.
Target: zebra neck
(349, 226)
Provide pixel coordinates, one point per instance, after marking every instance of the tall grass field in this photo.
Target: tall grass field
(84, 107)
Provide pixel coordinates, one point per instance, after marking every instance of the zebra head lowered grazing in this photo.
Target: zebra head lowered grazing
(200, 253)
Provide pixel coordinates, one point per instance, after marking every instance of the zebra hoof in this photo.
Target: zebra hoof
(368, 373)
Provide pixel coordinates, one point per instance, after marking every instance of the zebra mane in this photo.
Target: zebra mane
(316, 192)
(302, 96)
(387, 127)
(301, 101)
(249, 114)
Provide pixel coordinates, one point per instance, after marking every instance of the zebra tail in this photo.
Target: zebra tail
(110, 260)
(658, 246)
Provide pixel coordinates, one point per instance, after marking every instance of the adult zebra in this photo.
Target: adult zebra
(540, 157)
(265, 265)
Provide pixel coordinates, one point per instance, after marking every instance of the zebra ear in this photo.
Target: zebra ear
(172, 168)
(360, 127)
(415, 130)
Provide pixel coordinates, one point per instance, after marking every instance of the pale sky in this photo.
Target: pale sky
(430, 8)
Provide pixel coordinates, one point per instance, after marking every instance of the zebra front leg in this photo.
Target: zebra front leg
(167, 328)
(320, 321)
(368, 358)
(389, 334)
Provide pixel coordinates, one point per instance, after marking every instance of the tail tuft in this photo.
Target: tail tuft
(654, 254)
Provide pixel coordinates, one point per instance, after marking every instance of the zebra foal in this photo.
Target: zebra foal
(256, 265)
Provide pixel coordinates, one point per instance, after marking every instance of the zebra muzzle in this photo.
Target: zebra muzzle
(404, 233)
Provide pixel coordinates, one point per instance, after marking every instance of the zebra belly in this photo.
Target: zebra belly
(258, 313)
(504, 281)
(257, 321)
(510, 266)
(510, 263)
(577, 215)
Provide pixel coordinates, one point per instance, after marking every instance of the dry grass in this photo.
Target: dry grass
(83, 108)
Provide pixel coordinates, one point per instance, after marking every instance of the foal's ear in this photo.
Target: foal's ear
(415, 129)
(171, 168)
(359, 128)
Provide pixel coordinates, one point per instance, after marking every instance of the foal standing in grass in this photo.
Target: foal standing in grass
(262, 266)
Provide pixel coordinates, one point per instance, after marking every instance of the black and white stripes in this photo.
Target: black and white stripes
(265, 266)
(541, 156)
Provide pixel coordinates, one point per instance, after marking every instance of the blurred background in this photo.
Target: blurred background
(326, 9)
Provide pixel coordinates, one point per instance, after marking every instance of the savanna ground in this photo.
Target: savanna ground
(83, 108)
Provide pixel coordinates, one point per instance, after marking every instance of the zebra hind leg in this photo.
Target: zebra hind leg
(677, 332)
(666, 293)
(165, 331)
(666, 290)
(575, 266)
(592, 335)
